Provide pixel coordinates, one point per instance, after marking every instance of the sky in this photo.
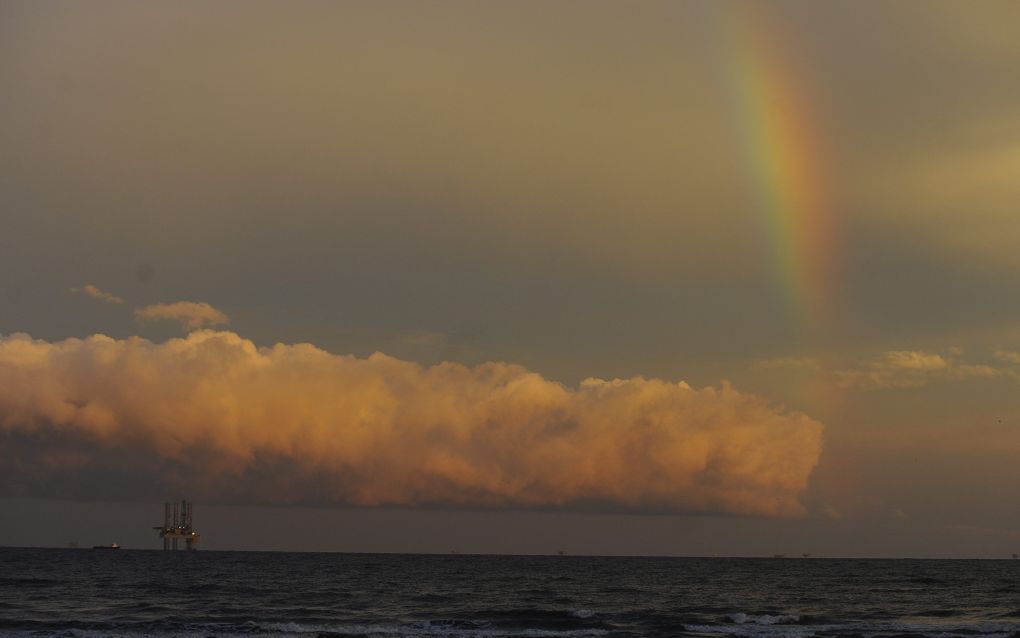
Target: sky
(691, 278)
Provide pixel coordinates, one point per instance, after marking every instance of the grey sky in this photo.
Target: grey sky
(563, 187)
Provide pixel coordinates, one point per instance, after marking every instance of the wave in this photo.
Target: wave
(582, 613)
(422, 629)
(740, 625)
(741, 618)
(19, 581)
(786, 626)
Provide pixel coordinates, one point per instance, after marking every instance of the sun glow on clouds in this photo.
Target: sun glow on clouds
(256, 422)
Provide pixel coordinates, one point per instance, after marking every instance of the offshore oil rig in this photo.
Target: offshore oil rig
(177, 525)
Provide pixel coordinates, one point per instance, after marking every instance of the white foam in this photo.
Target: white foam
(765, 619)
(429, 629)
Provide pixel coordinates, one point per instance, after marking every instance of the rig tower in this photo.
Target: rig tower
(177, 525)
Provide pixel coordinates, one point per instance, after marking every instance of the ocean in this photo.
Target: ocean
(81, 592)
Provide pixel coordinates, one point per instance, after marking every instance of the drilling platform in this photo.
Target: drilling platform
(177, 525)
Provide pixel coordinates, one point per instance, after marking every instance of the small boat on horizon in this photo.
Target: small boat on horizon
(110, 546)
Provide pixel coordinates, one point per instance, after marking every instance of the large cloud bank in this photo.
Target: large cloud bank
(216, 417)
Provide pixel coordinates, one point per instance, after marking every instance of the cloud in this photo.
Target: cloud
(911, 369)
(192, 315)
(1007, 356)
(912, 361)
(96, 293)
(213, 416)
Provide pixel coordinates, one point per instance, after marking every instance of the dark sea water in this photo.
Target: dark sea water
(50, 592)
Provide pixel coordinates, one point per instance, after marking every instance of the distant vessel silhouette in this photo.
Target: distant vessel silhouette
(110, 546)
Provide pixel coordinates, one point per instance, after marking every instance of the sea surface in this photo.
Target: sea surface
(80, 592)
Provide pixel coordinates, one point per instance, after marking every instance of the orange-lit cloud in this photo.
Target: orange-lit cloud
(96, 293)
(191, 315)
(294, 423)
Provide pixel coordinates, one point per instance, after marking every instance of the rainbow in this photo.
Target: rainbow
(784, 151)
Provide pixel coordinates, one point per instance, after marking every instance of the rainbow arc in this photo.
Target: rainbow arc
(784, 147)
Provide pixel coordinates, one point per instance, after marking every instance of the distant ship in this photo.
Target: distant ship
(110, 546)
